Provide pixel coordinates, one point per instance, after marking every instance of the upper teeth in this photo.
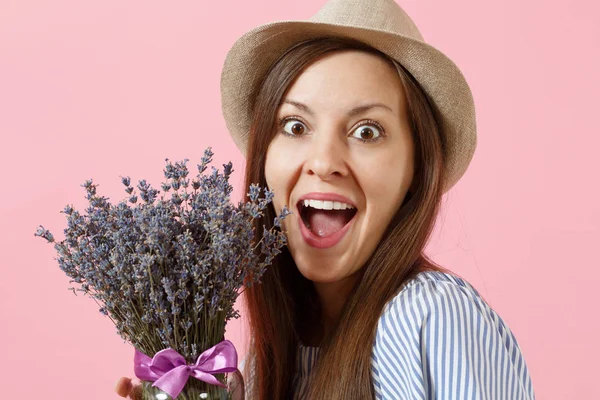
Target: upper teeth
(326, 205)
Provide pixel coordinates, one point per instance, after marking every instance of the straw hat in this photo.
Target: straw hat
(381, 24)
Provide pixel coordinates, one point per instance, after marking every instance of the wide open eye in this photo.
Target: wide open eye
(368, 132)
(293, 127)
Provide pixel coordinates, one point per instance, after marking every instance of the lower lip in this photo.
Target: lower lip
(322, 242)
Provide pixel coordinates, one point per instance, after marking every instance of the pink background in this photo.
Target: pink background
(99, 89)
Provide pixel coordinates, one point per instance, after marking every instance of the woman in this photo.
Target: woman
(360, 127)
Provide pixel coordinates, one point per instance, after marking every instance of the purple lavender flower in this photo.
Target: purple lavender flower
(168, 270)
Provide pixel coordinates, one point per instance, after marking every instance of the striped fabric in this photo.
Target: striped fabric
(305, 360)
(439, 339)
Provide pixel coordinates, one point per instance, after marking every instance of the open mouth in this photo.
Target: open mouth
(325, 223)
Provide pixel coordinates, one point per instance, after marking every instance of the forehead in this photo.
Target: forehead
(345, 78)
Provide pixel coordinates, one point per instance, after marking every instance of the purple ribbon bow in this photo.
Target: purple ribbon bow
(169, 371)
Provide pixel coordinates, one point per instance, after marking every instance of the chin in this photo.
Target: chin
(319, 275)
(323, 274)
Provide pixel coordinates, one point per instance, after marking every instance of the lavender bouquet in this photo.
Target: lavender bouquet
(167, 272)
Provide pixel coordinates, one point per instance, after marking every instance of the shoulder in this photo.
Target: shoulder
(426, 307)
(439, 335)
(433, 294)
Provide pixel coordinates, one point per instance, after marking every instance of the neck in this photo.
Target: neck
(333, 297)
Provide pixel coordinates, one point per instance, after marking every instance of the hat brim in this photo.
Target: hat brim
(252, 55)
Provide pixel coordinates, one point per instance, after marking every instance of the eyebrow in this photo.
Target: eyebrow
(355, 111)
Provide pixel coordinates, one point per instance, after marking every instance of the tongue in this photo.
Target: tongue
(326, 222)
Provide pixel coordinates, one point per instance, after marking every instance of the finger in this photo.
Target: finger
(235, 384)
(123, 386)
(136, 393)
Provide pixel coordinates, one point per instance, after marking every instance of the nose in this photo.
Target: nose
(327, 156)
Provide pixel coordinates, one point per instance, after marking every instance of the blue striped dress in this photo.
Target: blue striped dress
(438, 339)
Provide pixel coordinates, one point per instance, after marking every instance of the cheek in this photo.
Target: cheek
(279, 172)
(386, 186)
(272, 167)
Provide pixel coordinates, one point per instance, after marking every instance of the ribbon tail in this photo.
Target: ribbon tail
(207, 377)
(173, 381)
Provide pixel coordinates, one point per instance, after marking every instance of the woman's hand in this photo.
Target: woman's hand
(126, 388)
(235, 383)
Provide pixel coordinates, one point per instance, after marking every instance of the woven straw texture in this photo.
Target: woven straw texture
(381, 24)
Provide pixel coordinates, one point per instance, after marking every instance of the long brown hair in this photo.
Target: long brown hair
(277, 308)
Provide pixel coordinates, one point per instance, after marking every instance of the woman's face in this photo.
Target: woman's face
(318, 154)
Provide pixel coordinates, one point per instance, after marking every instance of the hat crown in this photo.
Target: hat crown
(381, 24)
(384, 15)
